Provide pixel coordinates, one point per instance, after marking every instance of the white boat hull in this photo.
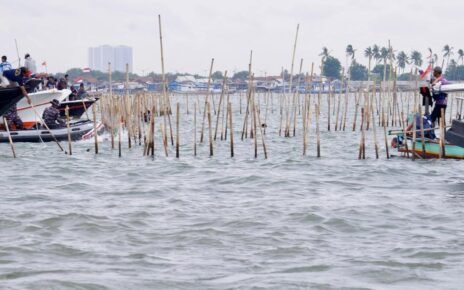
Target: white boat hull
(40, 101)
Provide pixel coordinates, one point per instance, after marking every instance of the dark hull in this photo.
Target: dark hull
(455, 134)
(43, 135)
(9, 97)
(76, 108)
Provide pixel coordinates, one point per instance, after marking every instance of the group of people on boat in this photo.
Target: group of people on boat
(428, 121)
(17, 77)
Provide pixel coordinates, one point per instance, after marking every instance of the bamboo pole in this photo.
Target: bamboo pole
(94, 112)
(69, 129)
(422, 131)
(210, 131)
(9, 137)
(231, 129)
(219, 105)
(195, 129)
(167, 104)
(404, 135)
(442, 134)
(206, 101)
(119, 138)
(318, 132)
(177, 130)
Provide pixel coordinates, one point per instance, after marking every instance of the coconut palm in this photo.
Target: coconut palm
(376, 52)
(416, 58)
(447, 53)
(461, 56)
(402, 59)
(324, 53)
(369, 53)
(384, 54)
(350, 53)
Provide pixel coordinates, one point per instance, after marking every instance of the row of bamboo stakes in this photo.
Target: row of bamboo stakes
(137, 114)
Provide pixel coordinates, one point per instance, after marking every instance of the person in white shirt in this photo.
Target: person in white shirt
(30, 63)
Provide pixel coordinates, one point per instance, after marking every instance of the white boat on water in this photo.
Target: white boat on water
(40, 100)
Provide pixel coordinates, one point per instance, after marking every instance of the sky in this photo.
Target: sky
(195, 31)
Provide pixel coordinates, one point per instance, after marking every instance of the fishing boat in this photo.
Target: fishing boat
(77, 131)
(76, 108)
(432, 149)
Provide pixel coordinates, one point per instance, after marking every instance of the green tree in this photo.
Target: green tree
(376, 53)
(358, 72)
(350, 54)
(217, 75)
(241, 75)
(384, 53)
(416, 58)
(324, 53)
(447, 53)
(461, 56)
(402, 60)
(332, 67)
(455, 72)
(369, 53)
(380, 70)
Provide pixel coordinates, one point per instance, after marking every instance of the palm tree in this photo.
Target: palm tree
(416, 58)
(384, 54)
(350, 52)
(402, 60)
(324, 53)
(376, 52)
(461, 56)
(369, 53)
(447, 53)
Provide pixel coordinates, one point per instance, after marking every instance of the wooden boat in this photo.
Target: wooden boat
(432, 149)
(76, 108)
(78, 129)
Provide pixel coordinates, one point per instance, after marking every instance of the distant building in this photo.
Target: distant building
(117, 55)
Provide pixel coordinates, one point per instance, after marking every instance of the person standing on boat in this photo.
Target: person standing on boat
(5, 65)
(63, 83)
(81, 93)
(30, 63)
(14, 78)
(51, 116)
(441, 98)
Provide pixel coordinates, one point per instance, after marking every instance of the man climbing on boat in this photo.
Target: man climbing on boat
(14, 78)
(51, 116)
(429, 133)
(440, 98)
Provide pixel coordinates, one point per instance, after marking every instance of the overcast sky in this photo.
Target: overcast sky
(195, 31)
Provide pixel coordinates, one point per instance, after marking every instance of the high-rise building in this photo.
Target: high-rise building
(119, 56)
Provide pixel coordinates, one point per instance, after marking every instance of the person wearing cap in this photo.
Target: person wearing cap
(30, 63)
(5, 65)
(51, 116)
(440, 98)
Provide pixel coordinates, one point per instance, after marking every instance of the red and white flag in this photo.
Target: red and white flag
(86, 70)
(426, 72)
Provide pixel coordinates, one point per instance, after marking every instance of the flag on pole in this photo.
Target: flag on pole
(426, 72)
(86, 70)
